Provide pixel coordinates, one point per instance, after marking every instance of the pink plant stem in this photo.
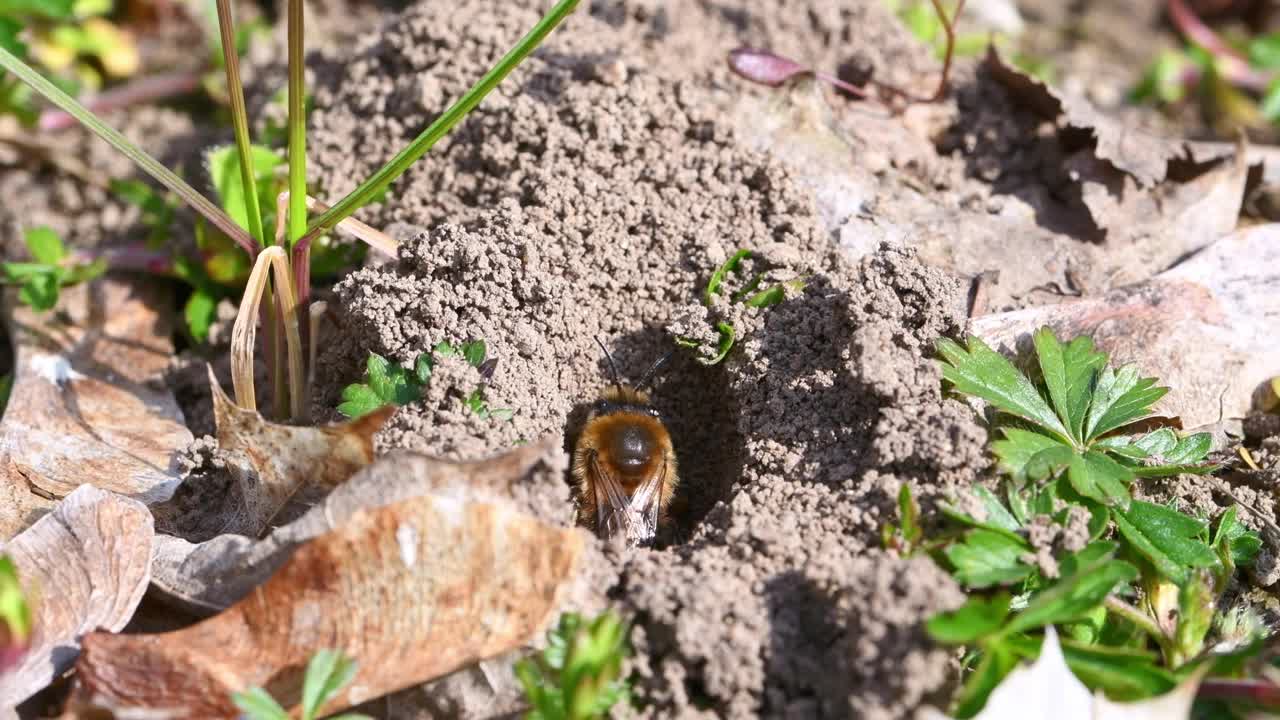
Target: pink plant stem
(141, 90)
(1255, 691)
(1235, 68)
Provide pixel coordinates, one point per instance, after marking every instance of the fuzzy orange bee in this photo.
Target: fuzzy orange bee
(624, 463)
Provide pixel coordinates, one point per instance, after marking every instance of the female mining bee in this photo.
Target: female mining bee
(624, 463)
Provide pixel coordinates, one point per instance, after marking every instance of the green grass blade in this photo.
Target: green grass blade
(297, 128)
(240, 119)
(438, 129)
(149, 165)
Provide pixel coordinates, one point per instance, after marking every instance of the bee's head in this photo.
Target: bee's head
(626, 395)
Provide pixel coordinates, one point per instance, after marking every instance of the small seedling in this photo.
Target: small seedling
(15, 616)
(1137, 604)
(907, 535)
(387, 383)
(328, 672)
(749, 295)
(578, 675)
(51, 270)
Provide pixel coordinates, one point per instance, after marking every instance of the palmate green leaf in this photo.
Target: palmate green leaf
(1015, 450)
(986, 374)
(257, 704)
(1074, 595)
(1069, 372)
(976, 619)
(986, 558)
(1119, 398)
(390, 381)
(1098, 477)
(327, 673)
(1167, 538)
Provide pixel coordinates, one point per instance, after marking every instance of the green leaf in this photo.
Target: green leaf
(40, 291)
(1121, 446)
(718, 277)
(997, 661)
(976, 619)
(474, 352)
(327, 673)
(422, 368)
(9, 40)
(45, 245)
(1264, 52)
(15, 614)
(359, 400)
(1149, 471)
(1158, 442)
(1190, 449)
(1196, 605)
(986, 374)
(44, 9)
(258, 704)
(1163, 82)
(1068, 373)
(909, 515)
(1235, 542)
(1049, 462)
(1073, 596)
(1124, 673)
(1167, 538)
(1270, 105)
(1017, 448)
(444, 349)
(1119, 398)
(987, 558)
(775, 294)
(225, 173)
(200, 312)
(390, 381)
(1098, 477)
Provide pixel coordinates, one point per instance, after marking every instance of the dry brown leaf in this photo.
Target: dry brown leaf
(86, 405)
(1206, 328)
(270, 463)
(210, 576)
(412, 590)
(86, 565)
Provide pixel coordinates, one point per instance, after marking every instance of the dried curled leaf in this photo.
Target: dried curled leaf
(87, 564)
(411, 590)
(208, 577)
(271, 463)
(84, 405)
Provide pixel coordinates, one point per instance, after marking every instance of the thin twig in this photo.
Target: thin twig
(1233, 65)
(135, 92)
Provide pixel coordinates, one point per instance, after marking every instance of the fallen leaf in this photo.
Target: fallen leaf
(1048, 690)
(1205, 328)
(208, 577)
(86, 405)
(411, 590)
(86, 565)
(269, 463)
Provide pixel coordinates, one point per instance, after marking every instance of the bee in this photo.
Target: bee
(624, 463)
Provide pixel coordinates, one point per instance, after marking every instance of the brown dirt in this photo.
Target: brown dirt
(583, 202)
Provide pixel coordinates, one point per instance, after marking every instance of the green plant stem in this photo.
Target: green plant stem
(438, 129)
(113, 137)
(240, 120)
(297, 127)
(1144, 621)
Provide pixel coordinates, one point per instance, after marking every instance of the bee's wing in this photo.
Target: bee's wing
(635, 516)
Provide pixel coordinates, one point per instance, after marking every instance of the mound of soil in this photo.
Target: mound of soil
(588, 202)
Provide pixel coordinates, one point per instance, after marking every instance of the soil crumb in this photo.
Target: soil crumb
(586, 200)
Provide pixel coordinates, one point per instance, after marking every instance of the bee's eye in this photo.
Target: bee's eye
(602, 406)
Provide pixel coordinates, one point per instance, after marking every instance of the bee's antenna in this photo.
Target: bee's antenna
(617, 383)
(648, 374)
